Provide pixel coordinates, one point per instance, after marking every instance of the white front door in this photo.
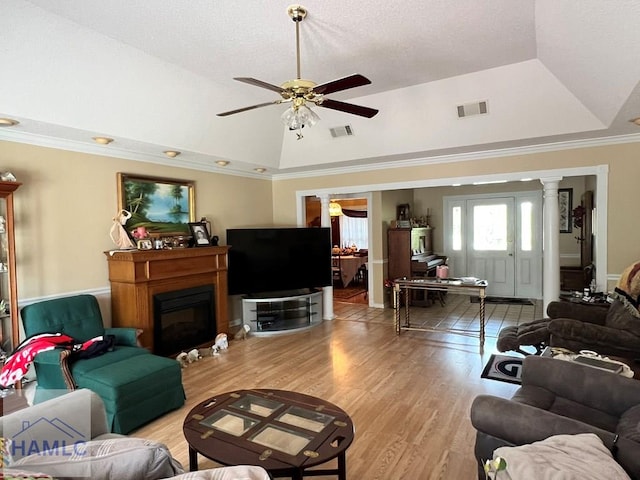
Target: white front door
(497, 237)
(490, 245)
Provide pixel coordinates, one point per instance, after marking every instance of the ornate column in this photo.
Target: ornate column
(551, 245)
(327, 292)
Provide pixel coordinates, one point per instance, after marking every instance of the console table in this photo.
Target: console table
(401, 286)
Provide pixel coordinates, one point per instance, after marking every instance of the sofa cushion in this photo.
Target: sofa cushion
(119, 353)
(629, 424)
(78, 316)
(122, 458)
(620, 317)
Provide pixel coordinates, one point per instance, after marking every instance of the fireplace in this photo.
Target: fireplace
(139, 276)
(183, 319)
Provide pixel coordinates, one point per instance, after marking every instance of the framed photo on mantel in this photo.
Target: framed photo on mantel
(200, 234)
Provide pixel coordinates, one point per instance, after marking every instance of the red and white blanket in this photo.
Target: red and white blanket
(17, 364)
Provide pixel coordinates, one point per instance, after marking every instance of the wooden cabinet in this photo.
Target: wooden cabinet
(405, 245)
(9, 330)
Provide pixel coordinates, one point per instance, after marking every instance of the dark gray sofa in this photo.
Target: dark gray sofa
(607, 329)
(562, 397)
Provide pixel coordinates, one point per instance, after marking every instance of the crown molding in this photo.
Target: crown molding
(114, 151)
(461, 157)
(210, 166)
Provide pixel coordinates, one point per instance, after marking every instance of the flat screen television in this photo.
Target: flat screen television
(263, 260)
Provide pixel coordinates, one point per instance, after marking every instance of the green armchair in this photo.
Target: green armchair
(135, 385)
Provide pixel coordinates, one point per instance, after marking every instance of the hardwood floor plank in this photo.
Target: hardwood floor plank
(409, 395)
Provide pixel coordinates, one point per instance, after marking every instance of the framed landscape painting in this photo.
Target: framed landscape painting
(161, 205)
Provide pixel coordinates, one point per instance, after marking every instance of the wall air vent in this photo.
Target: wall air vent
(469, 109)
(345, 131)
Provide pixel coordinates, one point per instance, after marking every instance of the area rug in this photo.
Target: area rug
(503, 300)
(503, 368)
(347, 293)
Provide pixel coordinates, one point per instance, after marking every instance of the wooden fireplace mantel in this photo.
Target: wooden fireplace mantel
(137, 275)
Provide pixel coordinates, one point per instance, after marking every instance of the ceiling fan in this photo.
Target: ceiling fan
(300, 92)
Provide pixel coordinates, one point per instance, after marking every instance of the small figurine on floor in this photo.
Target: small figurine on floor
(193, 355)
(221, 343)
(182, 359)
(242, 333)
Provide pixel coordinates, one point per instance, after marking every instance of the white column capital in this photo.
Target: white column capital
(550, 182)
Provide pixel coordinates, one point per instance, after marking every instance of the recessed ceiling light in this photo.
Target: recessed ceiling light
(171, 153)
(260, 170)
(8, 122)
(103, 140)
(222, 163)
(636, 121)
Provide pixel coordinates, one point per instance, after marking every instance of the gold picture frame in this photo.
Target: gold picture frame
(164, 206)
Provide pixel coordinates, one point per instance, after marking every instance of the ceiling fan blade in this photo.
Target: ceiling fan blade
(252, 107)
(352, 81)
(348, 108)
(259, 83)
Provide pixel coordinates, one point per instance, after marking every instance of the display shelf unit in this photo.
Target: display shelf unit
(282, 311)
(9, 329)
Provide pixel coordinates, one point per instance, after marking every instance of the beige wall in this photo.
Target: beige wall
(65, 207)
(64, 211)
(623, 195)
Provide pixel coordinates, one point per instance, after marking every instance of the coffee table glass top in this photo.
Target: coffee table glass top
(276, 429)
(303, 418)
(229, 422)
(281, 439)
(257, 405)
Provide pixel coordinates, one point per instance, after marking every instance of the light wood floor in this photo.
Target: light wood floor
(408, 395)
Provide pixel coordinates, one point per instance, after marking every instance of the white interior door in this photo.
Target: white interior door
(490, 246)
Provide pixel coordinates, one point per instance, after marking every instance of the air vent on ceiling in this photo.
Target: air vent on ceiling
(345, 131)
(469, 109)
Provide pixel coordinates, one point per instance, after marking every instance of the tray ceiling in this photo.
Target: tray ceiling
(153, 75)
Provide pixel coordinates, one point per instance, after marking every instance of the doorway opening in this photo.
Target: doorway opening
(350, 241)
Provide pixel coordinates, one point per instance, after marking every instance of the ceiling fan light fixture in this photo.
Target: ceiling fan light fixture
(299, 116)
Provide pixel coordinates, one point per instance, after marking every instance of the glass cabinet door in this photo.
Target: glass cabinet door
(8, 286)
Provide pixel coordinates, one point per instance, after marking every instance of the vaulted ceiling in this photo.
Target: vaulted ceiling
(152, 75)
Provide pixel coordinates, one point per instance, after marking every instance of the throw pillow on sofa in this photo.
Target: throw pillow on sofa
(122, 458)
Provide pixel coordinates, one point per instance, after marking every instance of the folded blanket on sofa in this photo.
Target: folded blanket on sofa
(567, 457)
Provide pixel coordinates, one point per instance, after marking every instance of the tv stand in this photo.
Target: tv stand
(282, 311)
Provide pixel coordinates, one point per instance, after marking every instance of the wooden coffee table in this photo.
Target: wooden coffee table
(284, 432)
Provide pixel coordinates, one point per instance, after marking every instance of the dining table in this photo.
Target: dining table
(349, 266)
